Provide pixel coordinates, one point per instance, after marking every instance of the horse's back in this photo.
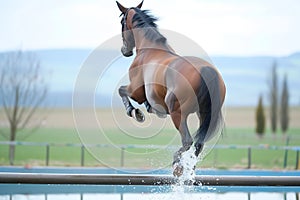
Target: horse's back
(184, 78)
(189, 66)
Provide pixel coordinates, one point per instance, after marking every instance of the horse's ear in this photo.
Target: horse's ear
(140, 5)
(122, 8)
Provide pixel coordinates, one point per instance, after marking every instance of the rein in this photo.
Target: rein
(125, 17)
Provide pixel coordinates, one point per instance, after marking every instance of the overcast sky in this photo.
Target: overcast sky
(221, 27)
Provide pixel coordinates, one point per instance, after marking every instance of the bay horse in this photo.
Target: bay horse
(169, 84)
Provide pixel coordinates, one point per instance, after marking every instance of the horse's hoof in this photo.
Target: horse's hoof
(138, 115)
(178, 170)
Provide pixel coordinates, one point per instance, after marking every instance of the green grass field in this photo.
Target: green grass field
(151, 157)
(147, 158)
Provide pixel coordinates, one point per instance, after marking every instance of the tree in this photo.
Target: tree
(260, 117)
(273, 98)
(284, 109)
(22, 91)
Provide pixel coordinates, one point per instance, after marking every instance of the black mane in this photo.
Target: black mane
(144, 20)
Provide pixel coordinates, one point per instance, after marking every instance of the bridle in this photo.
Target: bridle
(124, 19)
(128, 42)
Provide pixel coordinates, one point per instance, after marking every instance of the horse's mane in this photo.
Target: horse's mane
(145, 21)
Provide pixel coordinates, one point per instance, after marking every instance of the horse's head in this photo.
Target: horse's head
(127, 35)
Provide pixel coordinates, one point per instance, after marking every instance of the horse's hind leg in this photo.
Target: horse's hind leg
(131, 111)
(180, 123)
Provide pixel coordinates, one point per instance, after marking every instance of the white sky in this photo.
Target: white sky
(221, 27)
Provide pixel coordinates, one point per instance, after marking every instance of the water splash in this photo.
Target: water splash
(184, 184)
(184, 189)
(188, 161)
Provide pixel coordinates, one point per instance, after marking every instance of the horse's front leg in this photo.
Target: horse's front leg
(131, 111)
(148, 106)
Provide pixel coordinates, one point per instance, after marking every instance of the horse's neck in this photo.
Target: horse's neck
(149, 51)
(154, 50)
(143, 43)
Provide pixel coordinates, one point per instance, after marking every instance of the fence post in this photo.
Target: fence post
(122, 156)
(285, 158)
(249, 157)
(47, 154)
(82, 155)
(286, 152)
(297, 160)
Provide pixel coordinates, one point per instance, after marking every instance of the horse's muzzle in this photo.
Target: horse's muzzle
(126, 53)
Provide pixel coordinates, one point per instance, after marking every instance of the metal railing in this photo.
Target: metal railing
(123, 148)
(145, 179)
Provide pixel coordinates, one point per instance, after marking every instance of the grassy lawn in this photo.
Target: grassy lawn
(61, 130)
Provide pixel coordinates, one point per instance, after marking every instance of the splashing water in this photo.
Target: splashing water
(188, 161)
(184, 188)
(185, 182)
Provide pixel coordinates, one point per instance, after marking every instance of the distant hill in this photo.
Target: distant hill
(245, 77)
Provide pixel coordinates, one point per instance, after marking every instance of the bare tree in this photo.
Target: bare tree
(22, 92)
(273, 98)
(284, 109)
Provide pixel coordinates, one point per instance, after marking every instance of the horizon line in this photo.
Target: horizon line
(92, 49)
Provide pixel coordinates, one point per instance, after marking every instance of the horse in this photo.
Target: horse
(169, 84)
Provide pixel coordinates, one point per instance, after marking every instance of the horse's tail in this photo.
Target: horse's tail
(210, 105)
